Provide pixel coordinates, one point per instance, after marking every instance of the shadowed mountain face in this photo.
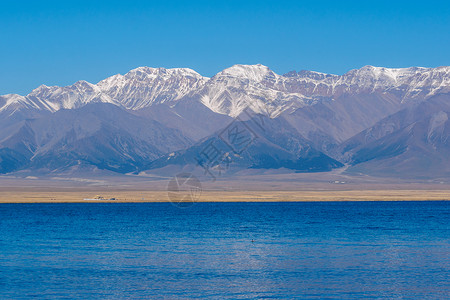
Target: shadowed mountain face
(256, 143)
(374, 119)
(191, 117)
(414, 142)
(329, 123)
(101, 135)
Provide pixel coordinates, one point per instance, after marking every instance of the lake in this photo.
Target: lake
(350, 250)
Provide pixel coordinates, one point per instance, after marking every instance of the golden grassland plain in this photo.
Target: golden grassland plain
(75, 195)
(263, 189)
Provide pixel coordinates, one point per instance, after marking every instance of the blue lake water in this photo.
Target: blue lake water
(347, 250)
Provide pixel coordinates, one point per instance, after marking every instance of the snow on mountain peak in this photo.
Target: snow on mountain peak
(249, 86)
(377, 72)
(144, 86)
(83, 84)
(235, 88)
(148, 75)
(255, 73)
(163, 73)
(13, 103)
(309, 75)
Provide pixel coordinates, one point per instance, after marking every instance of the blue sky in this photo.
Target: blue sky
(60, 42)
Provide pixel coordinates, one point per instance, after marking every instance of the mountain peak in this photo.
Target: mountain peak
(309, 74)
(83, 85)
(377, 71)
(252, 72)
(161, 72)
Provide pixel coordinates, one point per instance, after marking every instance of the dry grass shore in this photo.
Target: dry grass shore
(224, 196)
(271, 188)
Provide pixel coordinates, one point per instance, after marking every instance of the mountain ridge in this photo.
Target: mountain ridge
(127, 122)
(145, 86)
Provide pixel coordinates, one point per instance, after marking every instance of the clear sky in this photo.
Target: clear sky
(60, 42)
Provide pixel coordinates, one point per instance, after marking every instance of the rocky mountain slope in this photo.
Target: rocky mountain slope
(413, 142)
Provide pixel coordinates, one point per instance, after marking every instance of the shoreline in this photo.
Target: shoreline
(139, 196)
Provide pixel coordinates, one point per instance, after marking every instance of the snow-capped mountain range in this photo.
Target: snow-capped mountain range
(233, 89)
(156, 118)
